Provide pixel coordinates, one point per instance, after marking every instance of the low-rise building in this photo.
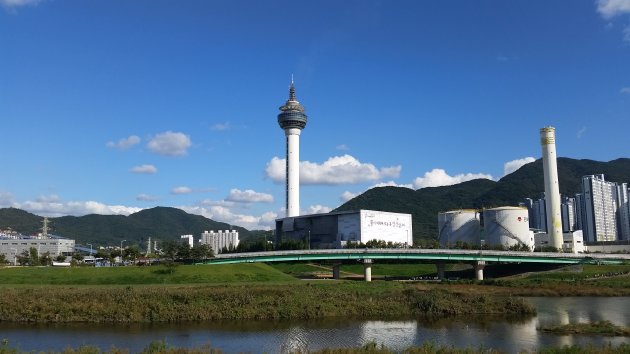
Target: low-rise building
(573, 242)
(56, 246)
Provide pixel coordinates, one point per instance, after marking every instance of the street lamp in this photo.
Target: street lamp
(89, 244)
(121, 251)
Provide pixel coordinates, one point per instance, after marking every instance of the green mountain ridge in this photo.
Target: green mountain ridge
(164, 223)
(159, 223)
(527, 182)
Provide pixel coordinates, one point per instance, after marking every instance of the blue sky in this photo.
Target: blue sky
(111, 106)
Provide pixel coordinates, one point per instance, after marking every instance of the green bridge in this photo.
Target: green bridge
(439, 256)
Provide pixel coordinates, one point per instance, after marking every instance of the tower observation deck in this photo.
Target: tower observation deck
(292, 120)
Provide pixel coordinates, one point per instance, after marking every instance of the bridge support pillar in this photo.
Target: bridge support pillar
(336, 271)
(479, 266)
(440, 270)
(367, 267)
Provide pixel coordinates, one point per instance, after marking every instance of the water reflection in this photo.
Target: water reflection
(509, 334)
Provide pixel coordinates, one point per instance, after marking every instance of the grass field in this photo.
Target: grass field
(378, 269)
(296, 300)
(183, 274)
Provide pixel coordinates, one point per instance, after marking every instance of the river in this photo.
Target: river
(507, 334)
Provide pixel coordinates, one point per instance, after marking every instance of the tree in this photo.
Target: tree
(183, 251)
(3, 259)
(60, 258)
(169, 250)
(23, 258)
(132, 253)
(34, 256)
(45, 259)
(201, 252)
(77, 257)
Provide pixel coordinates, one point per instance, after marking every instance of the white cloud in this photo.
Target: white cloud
(342, 147)
(581, 132)
(221, 126)
(170, 144)
(347, 195)
(625, 90)
(223, 203)
(317, 209)
(336, 170)
(612, 8)
(17, 3)
(124, 143)
(146, 198)
(438, 177)
(53, 198)
(181, 190)
(268, 218)
(249, 196)
(392, 184)
(6, 199)
(75, 208)
(149, 169)
(514, 165)
(265, 221)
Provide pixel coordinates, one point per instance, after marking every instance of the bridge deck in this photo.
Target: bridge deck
(440, 255)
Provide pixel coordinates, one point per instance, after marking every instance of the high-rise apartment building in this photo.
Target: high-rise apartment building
(600, 209)
(623, 211)
(220, 240)
(579, 211)
(568, 214)
(539, 215)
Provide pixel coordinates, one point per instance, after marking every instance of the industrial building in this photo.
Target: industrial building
(220, 240)
(461, 226)
(335, 230)
(503, 226)
(56, 246)
(507, 227)
(573, 242)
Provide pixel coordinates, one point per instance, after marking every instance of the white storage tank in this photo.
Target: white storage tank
(458, 225)
(507, 226)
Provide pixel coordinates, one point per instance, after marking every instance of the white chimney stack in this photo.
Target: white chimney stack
(552, 189)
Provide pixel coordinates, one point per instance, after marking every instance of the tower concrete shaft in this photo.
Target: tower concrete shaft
(292, 119)
(552, 189)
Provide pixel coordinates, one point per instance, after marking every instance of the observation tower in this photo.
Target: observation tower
(292, 120)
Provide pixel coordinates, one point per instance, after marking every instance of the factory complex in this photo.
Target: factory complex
(338, 229)
(13, 244)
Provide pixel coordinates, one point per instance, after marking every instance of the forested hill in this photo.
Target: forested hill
(424, 204)
(159, 223)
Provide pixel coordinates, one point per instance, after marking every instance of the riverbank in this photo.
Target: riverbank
(302, 300)
(258, 291)
(605, 328)
(160, 347)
